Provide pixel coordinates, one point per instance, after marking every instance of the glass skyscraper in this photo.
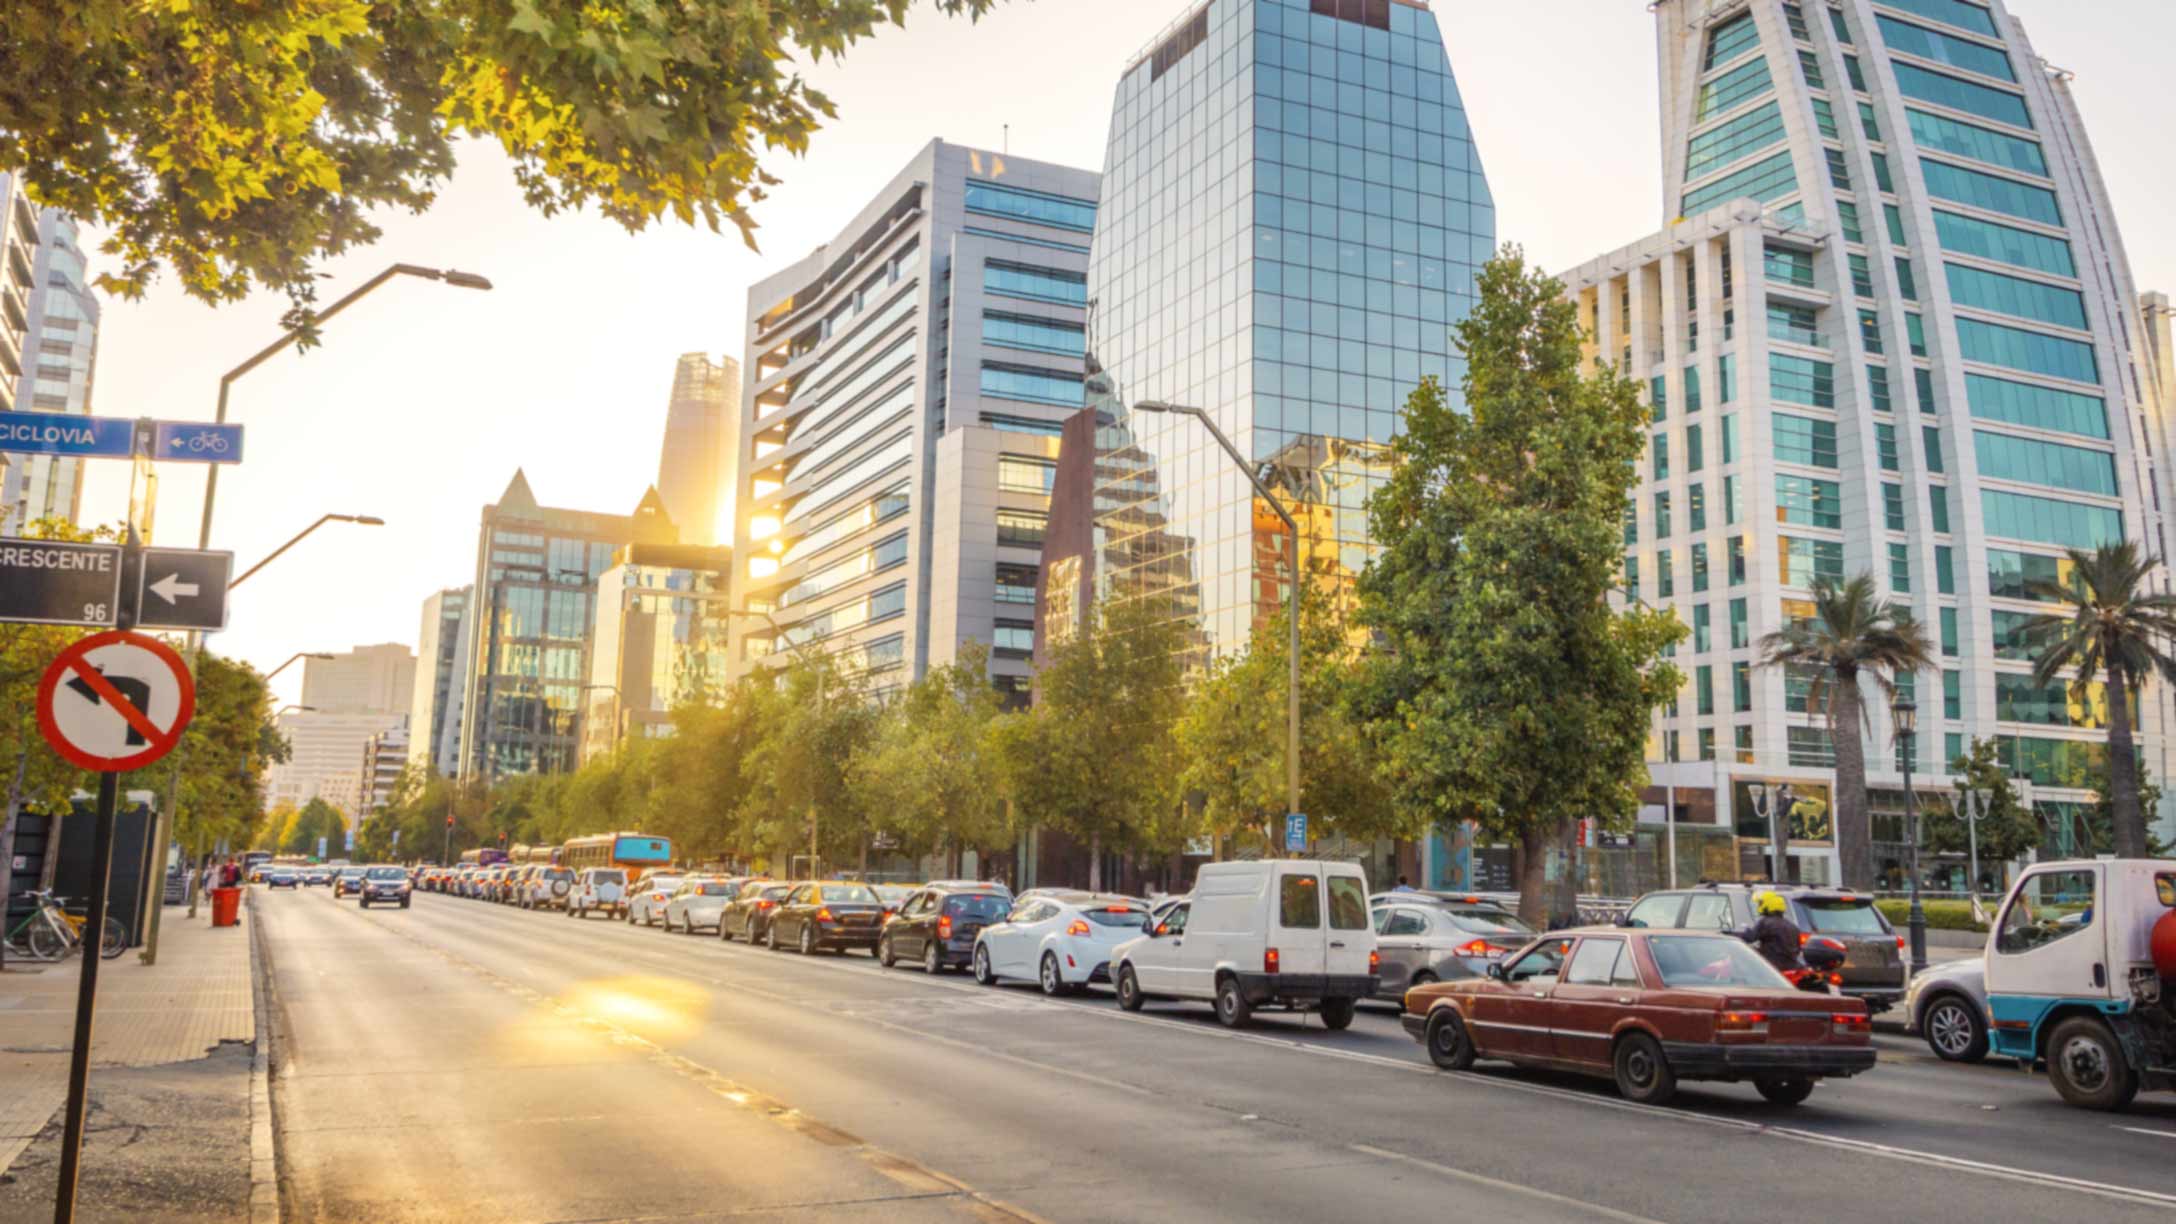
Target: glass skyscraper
(1293, 217)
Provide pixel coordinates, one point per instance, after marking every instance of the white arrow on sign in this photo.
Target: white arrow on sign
(171, 588)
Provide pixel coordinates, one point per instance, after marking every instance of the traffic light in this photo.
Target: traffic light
(449, 822)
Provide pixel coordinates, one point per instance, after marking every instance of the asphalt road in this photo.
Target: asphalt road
(466, 1060)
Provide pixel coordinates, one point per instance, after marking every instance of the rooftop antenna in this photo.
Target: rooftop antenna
(1008, 140)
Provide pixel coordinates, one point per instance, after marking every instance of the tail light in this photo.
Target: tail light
(764, 905)
(1844, 1024)
(1079, 926)
(1269, 960)
(1478, 947)
(1742, 1022)
(1804, 939)
(1900, 945)
(944, 926)
(1375, 961)
(824, 914)
(1835, 979)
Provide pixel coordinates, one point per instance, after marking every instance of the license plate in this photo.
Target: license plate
(1796, 1030)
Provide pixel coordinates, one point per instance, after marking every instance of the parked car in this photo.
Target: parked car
(547, 887)
(316, 877)
(935, 927)
(1289, 933)
(1947, 1005)
(603, 889)
(385, 885)
(1061, 943)
(1649, 1009)
(646, 900)
(696, 904)
(1874, 969)
(1437, 941)
(973, 886)
(833, 914)
(748, 916)
(348, 882)
(893, 896)
(282, 877)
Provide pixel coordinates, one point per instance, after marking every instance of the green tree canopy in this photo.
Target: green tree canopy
(924, 777)
(2008, 830)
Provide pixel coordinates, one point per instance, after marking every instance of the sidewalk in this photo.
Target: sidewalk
(169, 1128)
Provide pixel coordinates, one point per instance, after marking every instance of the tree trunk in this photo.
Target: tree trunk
(7, 841)
(1548, 896)
(2130, 822)
(1095, 861)
(1848, 816)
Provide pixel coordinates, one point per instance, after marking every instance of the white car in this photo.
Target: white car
(603, 889)
(646, 899)
(696, 904)
(1286, 933)
(546, 888)
(1061, 941)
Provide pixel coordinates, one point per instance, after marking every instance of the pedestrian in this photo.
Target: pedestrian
(1404, 885)
(230, 874)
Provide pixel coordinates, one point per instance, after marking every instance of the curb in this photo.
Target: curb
(264, 1181)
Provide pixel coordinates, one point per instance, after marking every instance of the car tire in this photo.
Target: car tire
(1642, 1071)
(1232, 1008)
(364, 902)
(2087, 1064)
(984, 974)
(1449, 1047)
(808, 941)
(725, 933)
(404, 903)
(932, 958)
(1051, 979)
(1955, 1029)
(1337, 1014)
(1129, 989)
(884, 955)
(1789, 1090)
(1424, 978)
(770, 937)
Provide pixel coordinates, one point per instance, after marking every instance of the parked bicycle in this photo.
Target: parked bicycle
(49, 932)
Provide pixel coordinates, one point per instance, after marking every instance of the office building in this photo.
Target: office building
(898, 434)
(659, 642)
(1892, 331)
(366, 680)
(18, 282)
(325, 754)
(60, 353)
(695, 466)
(1293, 216)
(385, 755)
(434, 718)
(534, 601)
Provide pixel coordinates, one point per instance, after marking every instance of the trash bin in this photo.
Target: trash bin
(226, 907)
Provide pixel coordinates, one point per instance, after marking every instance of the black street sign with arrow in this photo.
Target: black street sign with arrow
(181, 588)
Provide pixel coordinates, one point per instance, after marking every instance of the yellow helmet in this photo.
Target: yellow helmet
(1768, 901)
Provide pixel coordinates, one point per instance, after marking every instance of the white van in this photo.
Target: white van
(1288, 933)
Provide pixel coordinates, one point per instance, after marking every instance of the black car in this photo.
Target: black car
(836, 914)
(936, 926)
(749, 916)
(1875, 968)
(283, 878)
(386, 886)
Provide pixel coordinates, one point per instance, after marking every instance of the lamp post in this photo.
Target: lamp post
(1906, 714)
(307, 654)
(778, 634)
(1292, 594)
(366, 520)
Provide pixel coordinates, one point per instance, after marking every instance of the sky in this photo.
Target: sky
(424, 399)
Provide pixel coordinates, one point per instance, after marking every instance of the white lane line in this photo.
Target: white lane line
(1586, 1210)
(2140, 1130)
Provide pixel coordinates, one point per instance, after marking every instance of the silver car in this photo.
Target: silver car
(1427, 940)
(1947, 1005)
(696, 904)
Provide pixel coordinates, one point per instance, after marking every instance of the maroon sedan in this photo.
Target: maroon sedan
(1647, 1009)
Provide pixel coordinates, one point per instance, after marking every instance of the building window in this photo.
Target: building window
(1953, 696)
(1948, 617)
(1025, 474)
(1945, 570)
(1788, 267)
(1741, 687)
(1938, 507)
(1702, 633)
(1892, 506)
(2045, 520)
(1744, 738)
(1877, 382)
(1741, 630)
(1013, 639)
(1812, 747)
(1802, 563)
(1806, 502)
(1695, 454)
(1737, 560)
(1016, 584)
(1661, 456)
(1892, 459)
(1699, 567)
(1730, 501)
(1704, 690)
(1696, 508)
(1028, 332)
(1035, 284)
(1801, 380)
(1036, 386)
(1804, 440)
(1931, 436)
(1021, 528)
(1662, 516)
(1900, 569)
(1004, 200)
(1665, 577)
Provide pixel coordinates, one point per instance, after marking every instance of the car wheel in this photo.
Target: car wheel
(932, 959)
(1789, 1091)
(1643, 1073)
(1232, 1007)
(1053, 982)
(1337, 1014)
(1448, 1045)
(1425, 978)
(1129, 989)
(884, 955)
(808, 941)
(1955, 1030)
(770, 937)
(984, 974)
(2088, 1066)
(364, 902)
(725, 933)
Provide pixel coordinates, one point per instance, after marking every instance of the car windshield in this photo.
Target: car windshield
(663, 883)
(718, 888)
(849, 893)
(1116, 916)
(387, 873)
(775, 891)
(982, 907)
(351, 871)
(1688, 961)
(1486, 920)
(1836, 916)
(557, 873)
(608, 877)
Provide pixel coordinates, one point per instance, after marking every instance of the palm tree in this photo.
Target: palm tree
(1852, 634)
(2110, 625)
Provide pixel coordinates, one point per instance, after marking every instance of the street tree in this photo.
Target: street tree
(2110, 626)
(2098, 836)
(813, 723)
(318, 820)
(1504, 689)
(243, 144)
(2008, 830)
(223, 756)
(1854, 636)
(924, 775)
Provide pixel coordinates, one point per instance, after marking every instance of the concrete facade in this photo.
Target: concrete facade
(377, 679)
(434, 719)
(60, 358)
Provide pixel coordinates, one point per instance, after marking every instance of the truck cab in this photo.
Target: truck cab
(2072, 977)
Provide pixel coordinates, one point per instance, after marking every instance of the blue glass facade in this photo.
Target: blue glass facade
(1293, 217)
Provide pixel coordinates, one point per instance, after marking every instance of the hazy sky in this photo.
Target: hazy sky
(424, 399)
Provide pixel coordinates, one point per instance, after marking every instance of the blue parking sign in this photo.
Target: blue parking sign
(1295, 832)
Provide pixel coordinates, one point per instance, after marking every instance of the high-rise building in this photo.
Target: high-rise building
(18, 282)
(325, 754)
(898, 434)
(1892, 331)
(60, 349)
(659, 641)
(695, 467)
(434, 719)
(1293, 217)
(384, 756)
(534, 603)
(366, 680)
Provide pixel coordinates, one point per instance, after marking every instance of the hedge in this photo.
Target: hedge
(1941, 915)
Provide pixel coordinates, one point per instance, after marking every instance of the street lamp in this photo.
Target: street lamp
(1292, 594)
(778, 635)
(1906, 714)
(366, 520)
(307, 654)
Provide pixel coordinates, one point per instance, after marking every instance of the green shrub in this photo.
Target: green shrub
(1941, 915)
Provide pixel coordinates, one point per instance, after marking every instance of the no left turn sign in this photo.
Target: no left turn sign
(115, 702)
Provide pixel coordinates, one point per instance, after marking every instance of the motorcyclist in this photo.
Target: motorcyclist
(1774, 935)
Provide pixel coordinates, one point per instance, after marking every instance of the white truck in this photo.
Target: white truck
(2081, 974)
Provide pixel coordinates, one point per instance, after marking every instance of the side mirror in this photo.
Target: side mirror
(1162, 929)
(1496, 970)
(1624, 920)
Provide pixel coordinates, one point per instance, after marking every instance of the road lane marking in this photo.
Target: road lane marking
(2140, 1130)
(1586, 1209)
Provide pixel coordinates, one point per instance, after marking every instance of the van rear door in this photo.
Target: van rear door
(1296, 929)
(1351, 937)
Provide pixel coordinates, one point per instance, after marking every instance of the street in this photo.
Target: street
(466, 1060)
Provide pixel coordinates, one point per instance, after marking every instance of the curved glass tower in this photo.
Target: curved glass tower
(1293, 217)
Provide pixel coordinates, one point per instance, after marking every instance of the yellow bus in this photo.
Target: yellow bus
(636, 852)
(534, 854)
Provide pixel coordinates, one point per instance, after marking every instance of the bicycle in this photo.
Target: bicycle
(49, 932)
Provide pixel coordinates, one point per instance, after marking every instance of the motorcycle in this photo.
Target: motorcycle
(1822, 971)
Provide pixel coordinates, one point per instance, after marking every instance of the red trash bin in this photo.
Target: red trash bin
(226, 907)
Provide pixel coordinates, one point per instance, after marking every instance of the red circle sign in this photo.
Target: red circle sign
(115, 701)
